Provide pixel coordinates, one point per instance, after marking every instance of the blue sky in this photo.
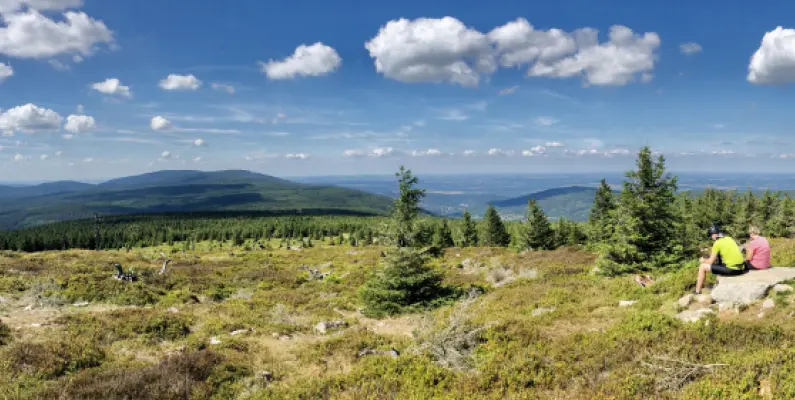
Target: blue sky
(97, 89)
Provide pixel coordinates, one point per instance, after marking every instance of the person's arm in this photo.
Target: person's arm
(712, 258)
(749, 253)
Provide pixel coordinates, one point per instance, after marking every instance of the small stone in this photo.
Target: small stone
(782, 288)
(542, 311)
(693, 315)
(685, 300)
(284, 337)
(173, 310)
(239, 332)
(703, 299)
(80, 304)
(214, 340)
(760, 315)
(29, 307)
(35, 325)
(768, 304)
(626, 303)
(275, 335)
(323, 327)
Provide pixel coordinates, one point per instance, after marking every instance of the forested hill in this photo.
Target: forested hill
(177, 191)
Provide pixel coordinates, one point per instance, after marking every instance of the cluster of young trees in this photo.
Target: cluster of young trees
(156, 229)
(649, 225)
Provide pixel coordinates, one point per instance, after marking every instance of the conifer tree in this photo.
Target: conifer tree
(406, 282)
(647, 220)
(494, 233)
(747, 212)
(405, 209)
(469, 235)
(601, 220)
(443, 237)
(537, 233)
(782, 224)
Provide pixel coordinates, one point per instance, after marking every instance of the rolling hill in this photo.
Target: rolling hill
(572, 202)
(176, 191)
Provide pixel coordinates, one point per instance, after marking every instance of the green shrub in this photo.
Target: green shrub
(49, 360)
(107, 328)
(405, 283)
(197, 375)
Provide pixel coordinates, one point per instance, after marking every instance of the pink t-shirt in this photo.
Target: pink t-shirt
(759, 250)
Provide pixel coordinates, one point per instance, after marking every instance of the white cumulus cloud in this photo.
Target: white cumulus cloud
(5, 72)
(20, 157)
(499, 152)
(469, 153)
(112, 87)
(180, 82)
(199, 142)
(554, 144)
(690, 48)
(160, 124)
(446, 50)
(382, 152)
(518, 43)
(614, 63)
(44, 157)
(774, 62)
(165, 155)
(30, 34)
(314, 60)
(429, 153)
(431, 50)
(298, 156)
(535, 151)
(80, 124)
(29, 118)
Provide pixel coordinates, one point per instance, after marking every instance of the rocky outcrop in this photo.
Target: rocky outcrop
(745, 289)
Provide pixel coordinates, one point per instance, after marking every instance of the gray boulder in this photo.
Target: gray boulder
(746, 289)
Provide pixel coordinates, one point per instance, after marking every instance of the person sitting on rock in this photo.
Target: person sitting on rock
(757, 251)
(726, 258)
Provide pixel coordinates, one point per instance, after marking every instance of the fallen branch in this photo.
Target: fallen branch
(672, 375)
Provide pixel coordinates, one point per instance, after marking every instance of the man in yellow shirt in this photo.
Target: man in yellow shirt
(726, 258)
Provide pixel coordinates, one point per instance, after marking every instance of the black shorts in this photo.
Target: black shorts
(719, 269)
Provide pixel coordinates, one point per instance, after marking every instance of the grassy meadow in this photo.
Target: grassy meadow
(235, 324)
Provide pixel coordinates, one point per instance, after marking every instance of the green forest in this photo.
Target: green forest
(648, 207)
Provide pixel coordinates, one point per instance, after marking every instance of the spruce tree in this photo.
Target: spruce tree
(494, 233)
(601, 220)
(647, 220)
(406, 282)
(443, 237)
(537, 233)
(782, 224)
(469, 235)
(405, 209)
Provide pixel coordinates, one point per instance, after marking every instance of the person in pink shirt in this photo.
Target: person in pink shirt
(757, 251)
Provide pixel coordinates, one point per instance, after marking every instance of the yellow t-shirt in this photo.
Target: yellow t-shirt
(729, 252)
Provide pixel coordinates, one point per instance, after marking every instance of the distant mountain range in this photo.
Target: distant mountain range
(176, 191)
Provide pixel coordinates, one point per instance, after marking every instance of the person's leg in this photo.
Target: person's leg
(702, 276)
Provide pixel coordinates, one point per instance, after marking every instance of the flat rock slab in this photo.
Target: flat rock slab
(746, 289)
